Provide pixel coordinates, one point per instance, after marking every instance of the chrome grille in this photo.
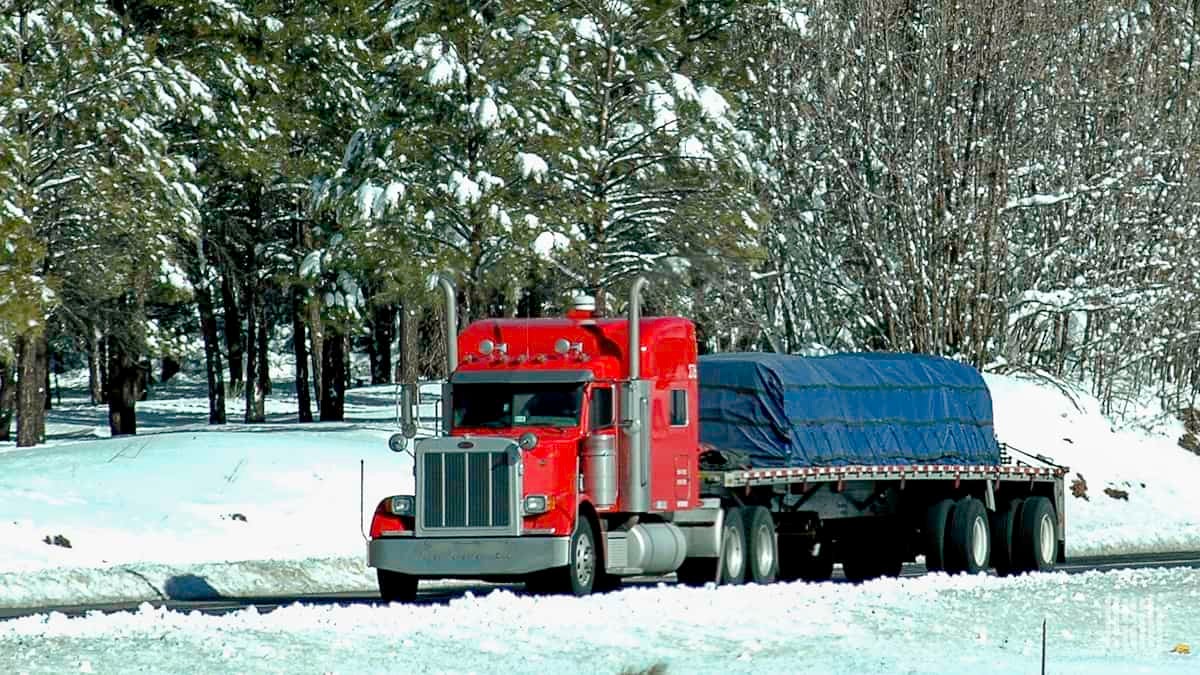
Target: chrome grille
(466, 490)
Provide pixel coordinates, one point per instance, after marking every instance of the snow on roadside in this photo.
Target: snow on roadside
(1118, 622)
(185, 509)
(1158, 511)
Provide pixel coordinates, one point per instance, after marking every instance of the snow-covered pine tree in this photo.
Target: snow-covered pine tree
(647, 161)
(92, 186)
(435, 179)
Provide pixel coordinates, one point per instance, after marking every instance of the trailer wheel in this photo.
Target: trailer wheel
(1003, 523)
(396, 586)
(732, 562)
(1036, 538)
(763, 559)
(969, 545)
(937, 521)
(796, 562)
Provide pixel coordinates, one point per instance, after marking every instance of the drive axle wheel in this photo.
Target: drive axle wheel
(396, 587)
(733, 547)
(763, 563)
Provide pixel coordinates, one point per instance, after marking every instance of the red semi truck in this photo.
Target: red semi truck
(571, 456)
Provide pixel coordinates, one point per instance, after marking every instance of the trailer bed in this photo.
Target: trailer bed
(827, 474)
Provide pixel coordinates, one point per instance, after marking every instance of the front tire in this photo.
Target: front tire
(582, 570)
(396, 587)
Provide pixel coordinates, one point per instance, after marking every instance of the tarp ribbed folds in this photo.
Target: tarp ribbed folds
(844, 409)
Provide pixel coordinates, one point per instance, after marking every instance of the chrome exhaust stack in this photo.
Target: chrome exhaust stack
(451, 297)
(635, 413)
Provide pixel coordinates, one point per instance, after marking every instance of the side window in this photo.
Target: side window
(602, 407)
(679, 407)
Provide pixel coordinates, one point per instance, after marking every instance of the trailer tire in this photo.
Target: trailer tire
(1035, 541)
(732, 563)
(937, 521)
(969, 546)
(762, 559)
(1003, 522)
(396, 586)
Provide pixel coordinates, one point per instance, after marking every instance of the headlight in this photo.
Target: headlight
(534, 505)
(402, 505)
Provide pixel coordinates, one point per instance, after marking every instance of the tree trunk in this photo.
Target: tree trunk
(264, 363)
(333, 377)
(383, 321)
(212, 355)
(8, 398)
(317, 348)
(300, 348)
(124, 380)
(233, 332)
(31, 392)
(46, 402)
(95, 368)
(254, 406)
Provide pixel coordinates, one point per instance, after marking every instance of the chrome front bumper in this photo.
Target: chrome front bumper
(469, 558)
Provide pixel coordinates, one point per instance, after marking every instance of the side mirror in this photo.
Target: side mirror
(398, 443)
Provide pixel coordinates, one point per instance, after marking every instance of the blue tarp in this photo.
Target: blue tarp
(869, 409)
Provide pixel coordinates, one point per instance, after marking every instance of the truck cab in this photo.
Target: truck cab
(553, 430)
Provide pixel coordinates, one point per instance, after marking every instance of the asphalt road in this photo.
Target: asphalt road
(444, 592)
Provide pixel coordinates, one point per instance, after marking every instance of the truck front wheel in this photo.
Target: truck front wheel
(581, 571)
(396, 587)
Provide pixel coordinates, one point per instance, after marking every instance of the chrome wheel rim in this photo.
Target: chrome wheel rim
(1045, 539)
(585, 561)
(764, 552)
(979, 542)
(735, 557)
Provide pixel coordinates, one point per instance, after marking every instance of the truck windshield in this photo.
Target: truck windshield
(504, 405)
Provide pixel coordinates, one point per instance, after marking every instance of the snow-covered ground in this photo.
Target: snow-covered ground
(185, 510)
(1115, 623)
